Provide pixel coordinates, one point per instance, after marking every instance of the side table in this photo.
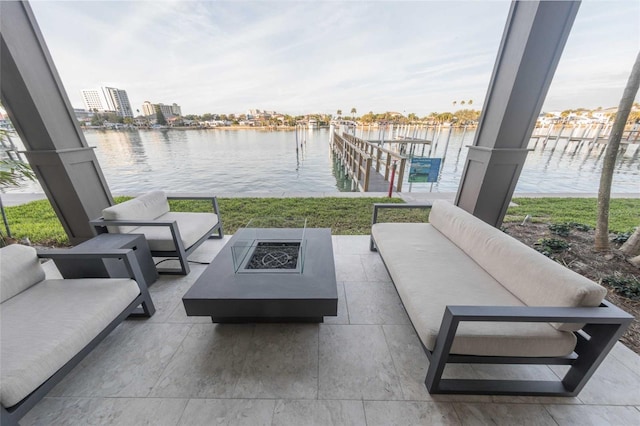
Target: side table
(73, 268)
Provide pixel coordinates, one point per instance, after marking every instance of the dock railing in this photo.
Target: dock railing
(363, 157)
(355, 159)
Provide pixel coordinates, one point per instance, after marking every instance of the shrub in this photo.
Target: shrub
(627, 286)
(549, 246)
(621, 237)
(580, 226)
(561, 229)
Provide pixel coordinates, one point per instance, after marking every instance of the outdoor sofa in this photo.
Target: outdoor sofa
(169, 234)
(49, 325)
(475, 295)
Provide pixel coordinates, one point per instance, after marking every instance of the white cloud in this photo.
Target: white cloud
(300, 57)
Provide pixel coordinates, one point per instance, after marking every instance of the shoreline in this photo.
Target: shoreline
(17, 198)
(261, 128)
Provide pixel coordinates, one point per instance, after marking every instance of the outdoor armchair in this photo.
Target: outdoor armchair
(169, 234)
(49, 325)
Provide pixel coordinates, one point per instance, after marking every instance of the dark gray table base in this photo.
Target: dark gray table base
(228, 297)
(245, 320)
(114, 268)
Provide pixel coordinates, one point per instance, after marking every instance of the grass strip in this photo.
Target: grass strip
(345, 216)
(624, 213)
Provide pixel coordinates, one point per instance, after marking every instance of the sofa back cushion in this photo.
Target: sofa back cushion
(530, 276)
(145, 207)
(19, 269)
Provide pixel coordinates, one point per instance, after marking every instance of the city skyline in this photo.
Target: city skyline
(304, 57)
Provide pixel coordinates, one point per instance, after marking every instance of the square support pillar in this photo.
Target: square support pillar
(69, 179)
(500, 168)
(35, 99)
(534, 37)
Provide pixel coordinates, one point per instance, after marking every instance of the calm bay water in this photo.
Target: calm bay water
(214, 160)
(557, 168)
(244, 161)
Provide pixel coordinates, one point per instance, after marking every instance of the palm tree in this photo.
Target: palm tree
(339, 112)
(353, 111)
(470, 101)
(454, 103)
(462, 102)
(12, 173)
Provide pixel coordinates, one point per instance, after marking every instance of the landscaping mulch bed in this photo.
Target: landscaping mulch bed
(581, 258)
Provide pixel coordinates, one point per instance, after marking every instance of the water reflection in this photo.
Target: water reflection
(245, 161)
(344, 182)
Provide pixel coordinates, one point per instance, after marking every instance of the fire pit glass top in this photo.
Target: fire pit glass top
(270, 245)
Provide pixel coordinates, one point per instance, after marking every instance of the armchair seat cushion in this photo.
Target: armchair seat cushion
(430, 273)
(192, 227)
(47, 325)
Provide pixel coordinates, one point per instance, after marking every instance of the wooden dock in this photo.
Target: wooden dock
(377, 182)
(372, 167)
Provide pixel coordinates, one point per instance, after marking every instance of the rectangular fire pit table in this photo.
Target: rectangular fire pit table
(305, 293)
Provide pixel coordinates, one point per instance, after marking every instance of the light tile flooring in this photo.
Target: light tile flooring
(363, 367)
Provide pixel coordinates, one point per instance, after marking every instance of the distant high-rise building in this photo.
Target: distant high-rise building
(94, 100)
(107, 99)
(148, 108)
(175, 108)
(119, 99)
(167, 110)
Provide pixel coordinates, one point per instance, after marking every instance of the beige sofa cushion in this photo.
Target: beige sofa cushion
(430, 272)
(532, 277)
(144, 207)
(47, 325)
(19, 269)
(192, 227)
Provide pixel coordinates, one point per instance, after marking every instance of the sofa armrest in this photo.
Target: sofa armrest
(379, 206)
(214, 199)
(605, 325)
(102, 222)
(606, 313)
(100, 225)
(126, 255)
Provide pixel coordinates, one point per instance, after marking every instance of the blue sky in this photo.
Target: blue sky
(299, 57)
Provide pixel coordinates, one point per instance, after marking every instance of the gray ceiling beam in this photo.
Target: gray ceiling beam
(36, 101)
(534, 37)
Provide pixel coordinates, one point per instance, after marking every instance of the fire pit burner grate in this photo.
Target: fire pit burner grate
(274, 255)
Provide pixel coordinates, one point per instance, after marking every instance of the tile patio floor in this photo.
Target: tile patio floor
(363, 367)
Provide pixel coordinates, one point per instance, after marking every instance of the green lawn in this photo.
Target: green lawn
(345, 216)
(624, 213)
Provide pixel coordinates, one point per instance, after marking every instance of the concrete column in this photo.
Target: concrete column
(39, 108)
(532, 42)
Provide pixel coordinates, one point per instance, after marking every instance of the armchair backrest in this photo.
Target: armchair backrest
(19, 269)
(144, 207)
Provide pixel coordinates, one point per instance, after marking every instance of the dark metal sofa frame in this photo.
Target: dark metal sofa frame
(603, 327)
(181, 252)
(142, 306)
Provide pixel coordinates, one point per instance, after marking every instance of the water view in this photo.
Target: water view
(246, 161)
